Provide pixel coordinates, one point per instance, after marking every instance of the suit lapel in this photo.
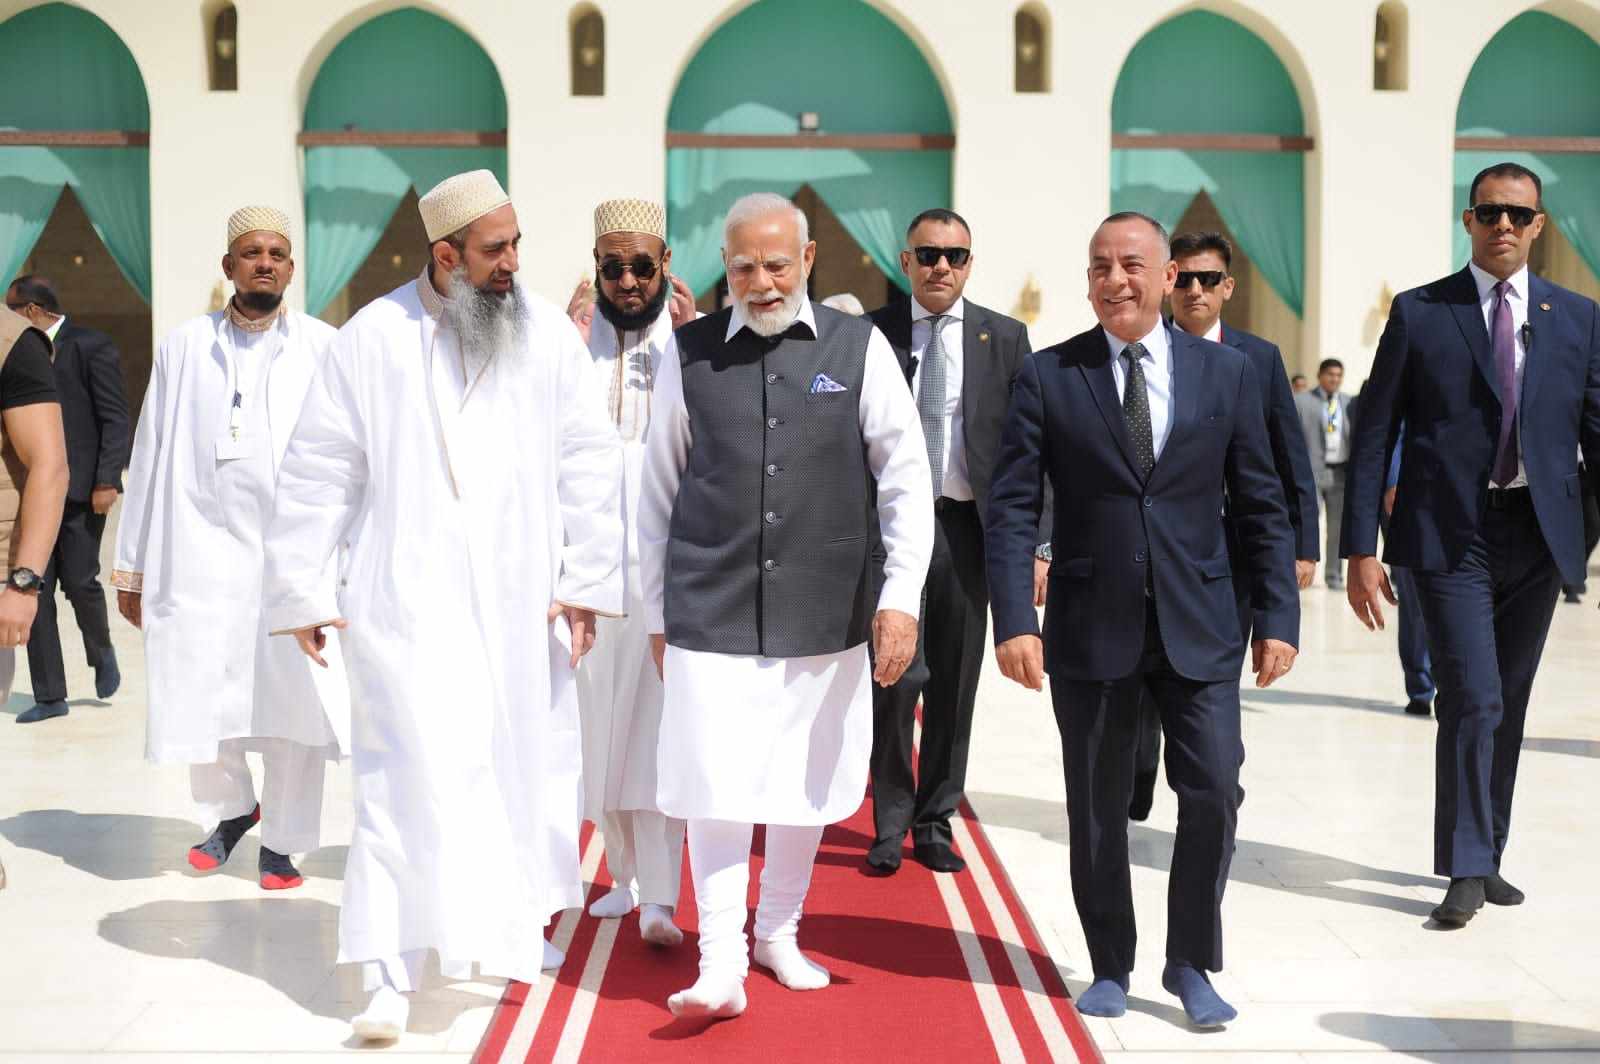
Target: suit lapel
(1540, 327)
(1103, 386)
(897, 330)
(976, 360)
(1469, 318)
(1188, 367)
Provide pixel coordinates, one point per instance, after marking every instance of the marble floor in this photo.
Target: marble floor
(109, 949)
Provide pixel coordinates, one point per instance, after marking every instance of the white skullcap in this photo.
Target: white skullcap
(630, 216)
(257, 219)
(457, 202)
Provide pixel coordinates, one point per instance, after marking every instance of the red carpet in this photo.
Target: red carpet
(925, 968)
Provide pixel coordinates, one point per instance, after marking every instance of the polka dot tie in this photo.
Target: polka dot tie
(930, 399)
(1136, 410)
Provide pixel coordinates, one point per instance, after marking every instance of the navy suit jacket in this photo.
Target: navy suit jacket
(1435, 372)
(1066, 425)
(1289, 454)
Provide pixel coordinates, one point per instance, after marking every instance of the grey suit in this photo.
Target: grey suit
(1330, 476)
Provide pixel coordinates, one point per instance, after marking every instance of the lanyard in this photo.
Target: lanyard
(236, 392)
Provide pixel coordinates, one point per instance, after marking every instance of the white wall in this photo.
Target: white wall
(1031, 171)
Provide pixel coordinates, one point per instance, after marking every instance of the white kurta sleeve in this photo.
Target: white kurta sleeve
(320, 485)
(139, 493)
(588, 485)
(666, 453)
(897, 454)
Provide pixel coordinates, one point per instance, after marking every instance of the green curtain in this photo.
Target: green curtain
(755, 75)
(1538, 77)
(77, 74)
(1260, 195)
(407, 70)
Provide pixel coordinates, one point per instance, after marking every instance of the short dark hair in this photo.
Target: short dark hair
(32, 288)
(938, 214)
(1329, 363)
(1297, 377)
(1136, 216)
(1506, 169)
(1185, 244)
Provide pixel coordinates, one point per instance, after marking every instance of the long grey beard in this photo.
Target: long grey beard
(486, 324)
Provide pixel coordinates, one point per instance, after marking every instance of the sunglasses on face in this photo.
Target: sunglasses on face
(642, 268)
(1208, 279)
(1489, 213)
(930, 256)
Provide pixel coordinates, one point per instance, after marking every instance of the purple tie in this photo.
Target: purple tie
(1505, 371)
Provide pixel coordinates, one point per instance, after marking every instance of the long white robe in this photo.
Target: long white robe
(781, 740)
(619, 693)
(481, 498)
(190, 540)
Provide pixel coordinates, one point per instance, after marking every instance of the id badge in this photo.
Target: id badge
(230, 449)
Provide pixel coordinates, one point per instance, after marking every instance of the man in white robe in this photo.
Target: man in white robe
(636, 305)
(452, 426)
(756, 522)
(224, 394)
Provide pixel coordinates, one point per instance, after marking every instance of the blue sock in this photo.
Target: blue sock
(1201, 1001)
(1105, 997)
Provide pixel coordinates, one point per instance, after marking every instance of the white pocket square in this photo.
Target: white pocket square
(824, 383)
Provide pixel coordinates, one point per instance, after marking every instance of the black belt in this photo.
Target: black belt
(1506, 498)
(944, 505)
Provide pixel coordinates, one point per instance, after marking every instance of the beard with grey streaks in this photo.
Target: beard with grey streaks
(486, 323)
(772, 322)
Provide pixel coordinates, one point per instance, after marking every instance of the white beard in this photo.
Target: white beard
(486, 324)
(773, 322)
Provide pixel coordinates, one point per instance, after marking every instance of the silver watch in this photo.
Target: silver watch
(1042, 552)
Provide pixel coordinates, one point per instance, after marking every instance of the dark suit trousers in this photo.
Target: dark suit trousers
(951, 643)
(75, 565)
(1099, 724)
(1487, 620)
(1413, 631)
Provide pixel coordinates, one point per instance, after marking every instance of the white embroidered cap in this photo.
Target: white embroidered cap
(630, 216)
(257, 220)
(457, 202)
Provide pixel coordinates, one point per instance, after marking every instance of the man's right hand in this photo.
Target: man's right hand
(580, 308)
(1366, 581)
(658, 652)
(1304, 572)
(131, 605)
(312, 640)
(17, 611)
(1021, 659)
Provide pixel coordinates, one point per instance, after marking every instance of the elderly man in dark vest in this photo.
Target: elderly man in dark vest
(771, 423)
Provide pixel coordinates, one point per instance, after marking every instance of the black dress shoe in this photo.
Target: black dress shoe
(1496, 891)
(1573, 597)
(938, 856)
(1144, 795)
(43, 711)
(1461, 902)
(1419, 707)
(884, 857)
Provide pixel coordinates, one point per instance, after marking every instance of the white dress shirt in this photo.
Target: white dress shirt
(55, 327)
(1214, 334)
(1157, 379)
(1518, 298)
(957, 484)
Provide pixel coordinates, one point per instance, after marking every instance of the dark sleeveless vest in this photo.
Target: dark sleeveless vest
(767, 553)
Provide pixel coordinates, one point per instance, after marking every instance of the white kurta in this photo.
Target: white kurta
(190, 540)
(619, 693)
(483, 493)
(781, 740)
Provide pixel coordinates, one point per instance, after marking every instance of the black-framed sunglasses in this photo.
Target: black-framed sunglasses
(643, 268)
(929, 256)
(1489, 213)
(1208, 278)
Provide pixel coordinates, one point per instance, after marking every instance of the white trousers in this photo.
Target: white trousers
(291, 791)
(645, 848)
(719, 860)
(403, 973)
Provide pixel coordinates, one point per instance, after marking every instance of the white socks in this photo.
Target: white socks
(385, 1018)
(618, 901)
(656, 926)
(716, 996)
(553, 958)
(792, 968)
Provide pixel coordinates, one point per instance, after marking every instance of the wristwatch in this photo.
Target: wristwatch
(1042, 552)
(22, 579)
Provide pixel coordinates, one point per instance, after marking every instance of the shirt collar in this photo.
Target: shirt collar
(56, 328)
(432, 302)
(957, 311)
(806, 317)
(1486, 282)
(1214, 334)
(1156, 342)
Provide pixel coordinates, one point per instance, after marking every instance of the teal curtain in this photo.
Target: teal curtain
(1260, 195)
(755, 75)
(1538, 77)
(407, 70)
(78, 75)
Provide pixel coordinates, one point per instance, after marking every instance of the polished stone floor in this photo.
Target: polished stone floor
(109, 948)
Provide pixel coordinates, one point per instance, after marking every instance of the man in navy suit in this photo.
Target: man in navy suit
(1496, 375)
(1203, 288)
(1139, 429)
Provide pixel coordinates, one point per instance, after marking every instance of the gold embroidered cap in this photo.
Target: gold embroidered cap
(457, 202)
(257, 220)
(630, 216)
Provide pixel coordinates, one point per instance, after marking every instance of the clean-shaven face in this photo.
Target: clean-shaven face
(1129, 276)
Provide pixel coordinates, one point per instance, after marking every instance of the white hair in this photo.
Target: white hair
(845, 302)
(757, 205)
